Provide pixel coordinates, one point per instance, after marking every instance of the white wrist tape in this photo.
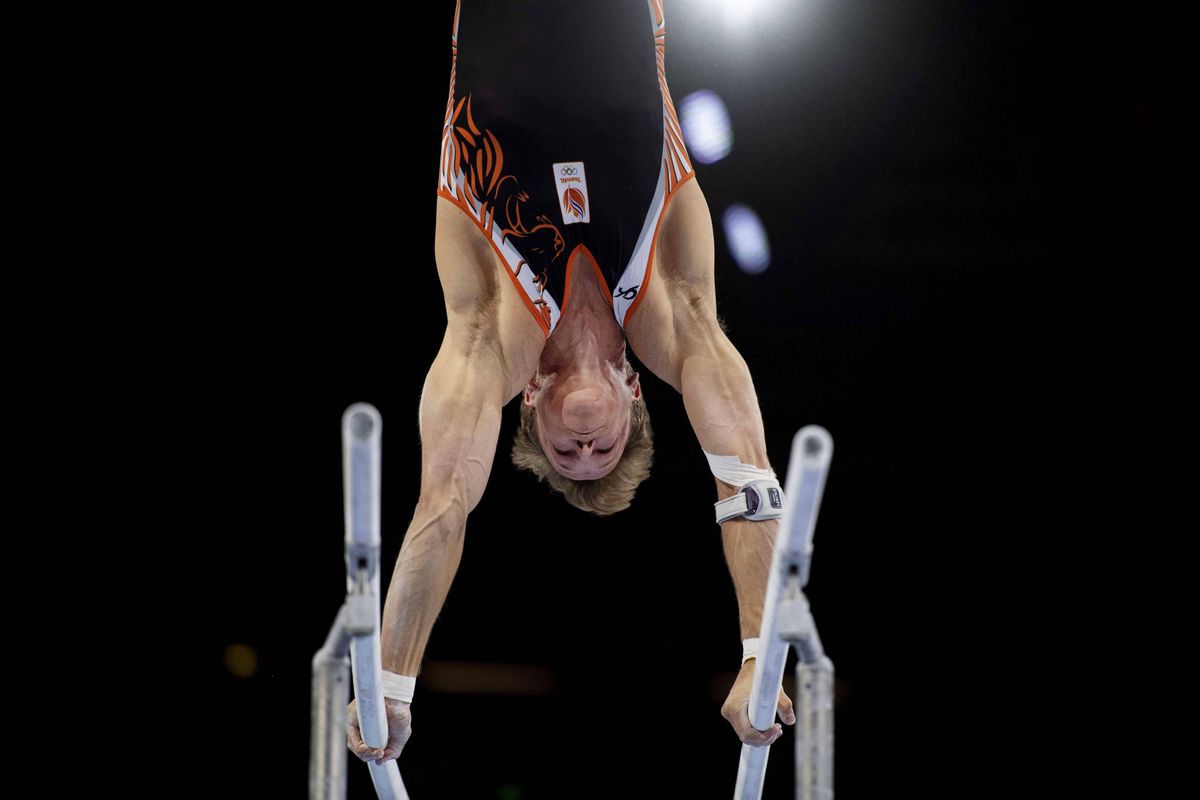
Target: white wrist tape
(731, 470)
(398, 687)
(749, 649)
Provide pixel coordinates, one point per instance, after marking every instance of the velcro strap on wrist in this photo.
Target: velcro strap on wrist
(757, 500)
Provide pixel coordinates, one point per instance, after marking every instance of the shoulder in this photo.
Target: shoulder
(678, 312)
(466, 262)
(483, 309)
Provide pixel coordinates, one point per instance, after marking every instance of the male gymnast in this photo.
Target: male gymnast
(569, 225)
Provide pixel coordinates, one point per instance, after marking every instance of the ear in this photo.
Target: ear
(531, 390)
(634, 384)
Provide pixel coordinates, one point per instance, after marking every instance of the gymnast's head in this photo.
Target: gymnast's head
(585, 432)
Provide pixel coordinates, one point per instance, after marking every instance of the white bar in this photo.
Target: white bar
(814, 730)
(362, 445)
(812, 449)
(330, 695)
(362, 429)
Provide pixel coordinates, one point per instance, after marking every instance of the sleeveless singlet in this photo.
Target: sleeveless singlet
(560, 136)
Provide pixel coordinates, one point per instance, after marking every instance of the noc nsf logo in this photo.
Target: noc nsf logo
(571, 180)
(573, 202)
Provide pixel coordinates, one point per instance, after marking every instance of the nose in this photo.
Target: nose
(583, 410)
(585, 445)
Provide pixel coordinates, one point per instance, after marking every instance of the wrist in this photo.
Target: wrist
(398, 687)
(749, 649)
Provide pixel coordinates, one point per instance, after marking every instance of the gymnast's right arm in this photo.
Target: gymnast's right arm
(459, 422)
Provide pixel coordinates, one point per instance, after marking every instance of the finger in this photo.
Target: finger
(396, 745)
(757, 738)
(753, 736)
(360, 748)
(787, 711)
(354, 736)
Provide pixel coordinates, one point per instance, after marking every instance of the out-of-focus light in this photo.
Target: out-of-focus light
(747, 239)
(706, 128)
(739, 12)
(241, 660)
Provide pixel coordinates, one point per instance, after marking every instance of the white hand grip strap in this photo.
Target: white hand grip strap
(757, 500)
(398, 687)
(749, 648)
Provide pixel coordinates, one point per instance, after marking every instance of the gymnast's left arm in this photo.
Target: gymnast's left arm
(722, 407)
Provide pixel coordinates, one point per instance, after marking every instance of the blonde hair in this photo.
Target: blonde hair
(603, 496)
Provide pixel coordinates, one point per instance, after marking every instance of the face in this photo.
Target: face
(583, 419)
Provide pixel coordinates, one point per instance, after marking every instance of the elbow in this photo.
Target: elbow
(704, 340)
(444, 510)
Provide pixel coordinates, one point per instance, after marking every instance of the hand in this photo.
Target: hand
(399, 719)
(737, 710)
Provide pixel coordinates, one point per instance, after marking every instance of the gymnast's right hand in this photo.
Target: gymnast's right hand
(399, 719)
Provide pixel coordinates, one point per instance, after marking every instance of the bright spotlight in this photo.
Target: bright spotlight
(741, 12)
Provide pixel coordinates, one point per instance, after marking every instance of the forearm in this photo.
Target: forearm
(749, 548)
(424, 571)
(459, 420)
(722, 406)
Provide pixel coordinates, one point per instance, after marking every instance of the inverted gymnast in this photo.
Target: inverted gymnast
(569, 225)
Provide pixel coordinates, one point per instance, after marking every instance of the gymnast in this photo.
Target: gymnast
(570, 225)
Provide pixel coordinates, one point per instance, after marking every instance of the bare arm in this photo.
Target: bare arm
(683, 343)
(718, 394)
(471, 379)
(459, 423)
(681, 340)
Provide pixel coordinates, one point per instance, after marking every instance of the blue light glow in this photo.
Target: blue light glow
(747, 239)
(706, 128)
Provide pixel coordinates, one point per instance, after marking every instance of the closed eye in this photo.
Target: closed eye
(572, 452)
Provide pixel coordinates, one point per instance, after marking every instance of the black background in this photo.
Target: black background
(898, 155)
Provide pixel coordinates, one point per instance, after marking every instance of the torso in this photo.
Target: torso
(649, 333)
(545, 93)
(601, 100)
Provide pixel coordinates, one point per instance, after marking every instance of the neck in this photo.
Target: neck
(587, 334)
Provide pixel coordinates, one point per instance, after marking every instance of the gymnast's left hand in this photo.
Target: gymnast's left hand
(736, 709)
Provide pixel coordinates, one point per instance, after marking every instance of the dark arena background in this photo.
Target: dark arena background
(894, 153)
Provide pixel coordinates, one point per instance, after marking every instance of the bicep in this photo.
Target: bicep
(459, 420)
